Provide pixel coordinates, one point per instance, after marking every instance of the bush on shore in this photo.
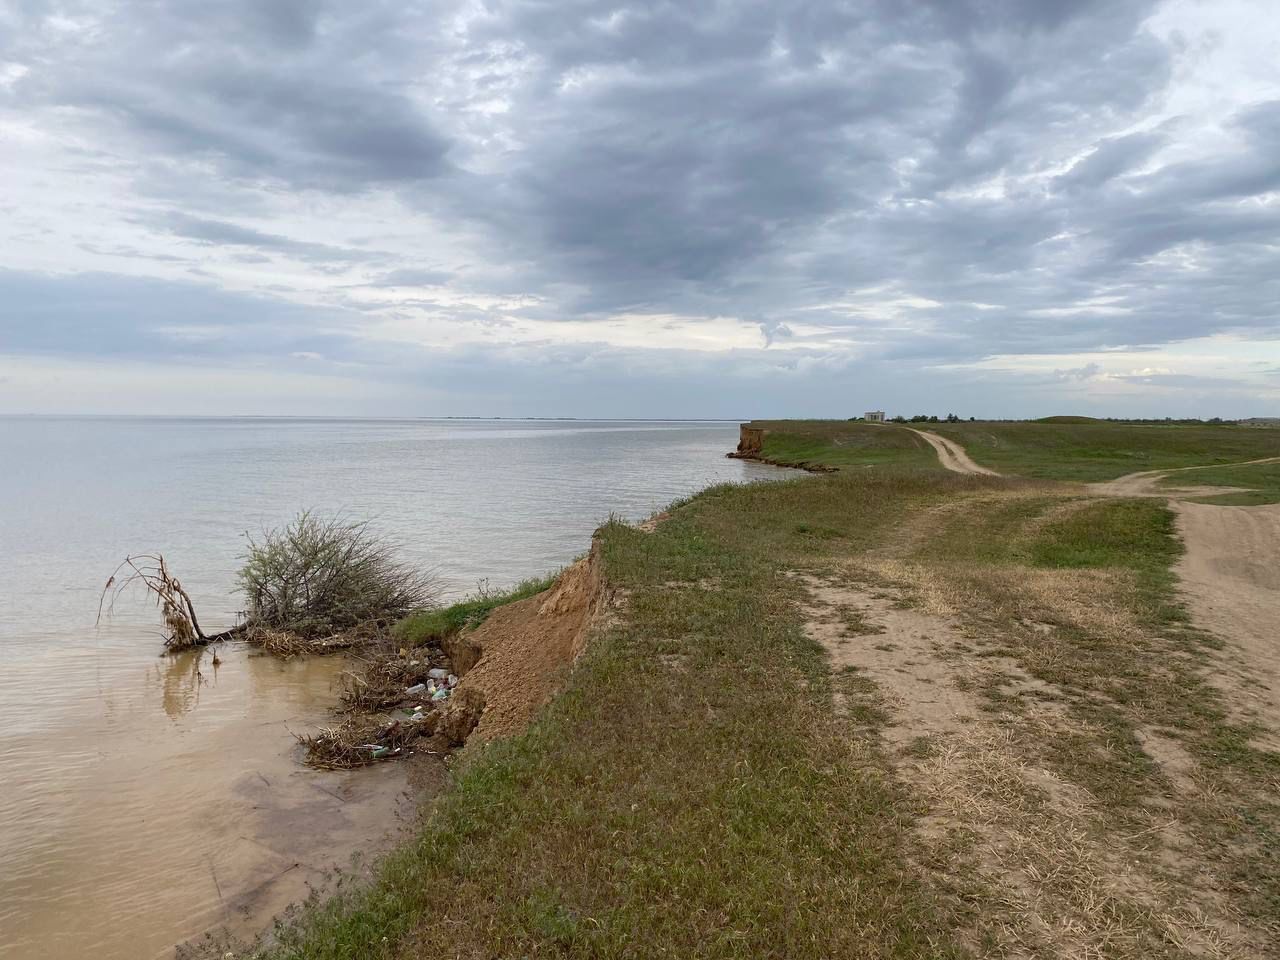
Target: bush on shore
(320, 576)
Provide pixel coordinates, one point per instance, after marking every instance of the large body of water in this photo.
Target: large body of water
(145, 798)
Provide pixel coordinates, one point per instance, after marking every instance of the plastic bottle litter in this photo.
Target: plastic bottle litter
(381, 752)
(416, 688)
(452, 681)
(441, 694)
(436, 673)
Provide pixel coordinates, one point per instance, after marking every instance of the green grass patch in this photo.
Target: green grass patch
(718, 809)
(843, 444)
(1123, 534)
(1260, 480)
(431, 626)
(1103, 451)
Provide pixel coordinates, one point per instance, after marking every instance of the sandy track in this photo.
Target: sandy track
(1147, 483)
(952, 455)
(1230, 578)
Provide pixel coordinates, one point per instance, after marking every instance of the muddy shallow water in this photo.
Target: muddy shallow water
(147, 798)
(187, 809)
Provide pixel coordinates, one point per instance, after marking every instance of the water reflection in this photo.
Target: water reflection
(180, 681)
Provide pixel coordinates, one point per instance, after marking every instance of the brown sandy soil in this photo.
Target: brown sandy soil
(1053, 866)
(516, 659)
(952, 455)
(901, 649)
(1230, 576)
(1037, 855)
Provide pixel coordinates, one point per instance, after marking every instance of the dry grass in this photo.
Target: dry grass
(354, 743)
(1056, 881)
(1081, 663)
(285, 644)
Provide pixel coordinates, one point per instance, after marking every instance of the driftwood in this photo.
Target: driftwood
(176, 608)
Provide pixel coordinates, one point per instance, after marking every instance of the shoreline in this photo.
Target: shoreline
(807, 685)
(153, 716)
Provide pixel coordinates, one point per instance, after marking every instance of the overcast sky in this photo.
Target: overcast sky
(569, 207)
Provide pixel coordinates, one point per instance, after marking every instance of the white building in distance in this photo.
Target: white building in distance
(874, 416)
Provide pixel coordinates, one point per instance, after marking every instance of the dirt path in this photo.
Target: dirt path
(952, 455)
(1146, 483)
(1230, 576)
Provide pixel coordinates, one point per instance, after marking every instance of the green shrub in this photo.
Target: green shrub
(317, 576)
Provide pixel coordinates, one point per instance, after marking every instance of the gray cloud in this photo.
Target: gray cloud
(259, 90)
(1003, 167)
(104, 315)
(1180, 380)
(222, 233)
(1111, 158)
(412, 277)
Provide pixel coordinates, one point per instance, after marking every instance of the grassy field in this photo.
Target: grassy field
(843, 444)
(710, 784)
(1261, 483)
(1103, 451)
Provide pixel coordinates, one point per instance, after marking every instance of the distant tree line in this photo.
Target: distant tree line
(1173, 421)
(1154, 421)
(926, 418)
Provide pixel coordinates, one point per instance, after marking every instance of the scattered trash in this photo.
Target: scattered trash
(388, 705)
(357, 744)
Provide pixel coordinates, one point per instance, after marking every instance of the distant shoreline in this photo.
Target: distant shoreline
(318, 419)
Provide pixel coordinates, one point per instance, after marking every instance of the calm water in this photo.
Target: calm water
(145, 798)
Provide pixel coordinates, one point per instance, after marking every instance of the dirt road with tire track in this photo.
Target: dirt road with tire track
(952, 455)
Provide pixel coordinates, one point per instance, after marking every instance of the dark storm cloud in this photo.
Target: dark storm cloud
(703, 156)
(1004, 162)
